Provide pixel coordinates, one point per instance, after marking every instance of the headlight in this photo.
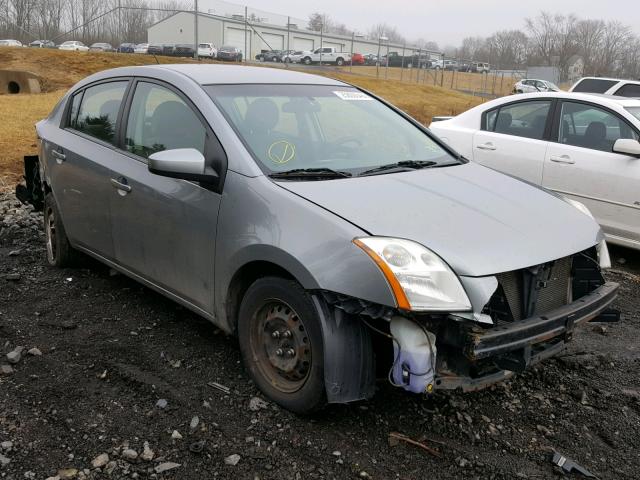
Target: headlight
(580, 206)
(419, 279)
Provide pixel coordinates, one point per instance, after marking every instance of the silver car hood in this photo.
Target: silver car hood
(478, 220)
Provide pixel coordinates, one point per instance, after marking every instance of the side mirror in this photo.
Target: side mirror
(627, 146)
(184, 163)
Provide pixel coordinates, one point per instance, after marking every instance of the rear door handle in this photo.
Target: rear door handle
(561, 159)
(122, 187)
(59, 156)
(486, 146)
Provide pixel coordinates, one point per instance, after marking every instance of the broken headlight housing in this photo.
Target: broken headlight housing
(419, 279)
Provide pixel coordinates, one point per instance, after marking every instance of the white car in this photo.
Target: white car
(608, 86)
(141, 48)
(294, 57)
(530, 85)
(326, 55)
(207, 50)
(583, 146)
(74, 45)
(10, 43)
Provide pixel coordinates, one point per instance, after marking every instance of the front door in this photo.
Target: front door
(164, 229)
(582, 165)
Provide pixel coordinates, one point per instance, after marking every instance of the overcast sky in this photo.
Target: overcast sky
(449, 21)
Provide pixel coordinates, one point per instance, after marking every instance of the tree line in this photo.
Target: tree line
(85, 20)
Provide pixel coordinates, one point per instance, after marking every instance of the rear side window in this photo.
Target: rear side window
(98, 110)
(523, 119)
(160, 120)
(629, 90)
(594, 85)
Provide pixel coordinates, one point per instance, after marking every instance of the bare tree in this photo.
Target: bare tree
(385, 30)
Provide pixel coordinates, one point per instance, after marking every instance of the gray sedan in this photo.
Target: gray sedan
(335, 236)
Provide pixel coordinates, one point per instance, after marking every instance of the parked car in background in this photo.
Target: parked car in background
(10, 43)
(183, 178)
(294, 57)
(464, 67)
(480, 67)
(155, 49)
(530, 85)
(370, 59)
(141, 48)
(608, 86)
(579, 145)
(42, 44)
(451, 65)
(101, 47)
(207, 50)
(327, 55)
(357, 59)
(229, 53)
(127, 47)
(73, 45)
(185, 50)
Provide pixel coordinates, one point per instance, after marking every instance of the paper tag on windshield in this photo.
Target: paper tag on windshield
(352, 95)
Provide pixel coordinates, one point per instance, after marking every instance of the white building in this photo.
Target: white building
(256, 37)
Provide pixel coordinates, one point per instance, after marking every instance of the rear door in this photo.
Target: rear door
(513, 138)
(164, 229)
(79, 158)
(580, 164)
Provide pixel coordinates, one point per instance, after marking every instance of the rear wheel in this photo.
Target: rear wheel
(281, 343)
(307, 61)
(340, 62)
(60, 253)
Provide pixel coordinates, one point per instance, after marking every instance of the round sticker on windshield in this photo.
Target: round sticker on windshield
(281, 152)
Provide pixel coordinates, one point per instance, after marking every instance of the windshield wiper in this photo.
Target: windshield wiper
(402, 166)
(310, 173)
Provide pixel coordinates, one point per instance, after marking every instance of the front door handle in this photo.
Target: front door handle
(121, 185)
(562, 159)
(486, 146)
(59, 156)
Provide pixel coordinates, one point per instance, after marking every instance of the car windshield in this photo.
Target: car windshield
(292, 127)
(635, 111)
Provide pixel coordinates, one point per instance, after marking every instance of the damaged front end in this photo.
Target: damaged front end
(530, 316)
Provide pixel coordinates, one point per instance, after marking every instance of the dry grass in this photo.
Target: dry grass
(59, 70)
(496, 84)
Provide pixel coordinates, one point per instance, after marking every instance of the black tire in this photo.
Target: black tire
(340, 61)
(271, 305)
(307, 61)
(60, 253)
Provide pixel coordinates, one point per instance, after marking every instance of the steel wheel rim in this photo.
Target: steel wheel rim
(50, 230)
(280, 346)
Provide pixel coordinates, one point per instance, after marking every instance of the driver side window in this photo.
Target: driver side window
(160, 120)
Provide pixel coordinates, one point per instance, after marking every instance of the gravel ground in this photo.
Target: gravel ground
(114, 381)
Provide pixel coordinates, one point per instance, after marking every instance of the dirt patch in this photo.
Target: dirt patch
(121, 367)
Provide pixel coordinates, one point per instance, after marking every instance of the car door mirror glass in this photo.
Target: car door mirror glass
(185, 163)
(627, 146)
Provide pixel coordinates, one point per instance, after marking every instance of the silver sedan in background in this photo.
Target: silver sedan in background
(331, 233)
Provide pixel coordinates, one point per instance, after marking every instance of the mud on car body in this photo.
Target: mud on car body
(333, 234)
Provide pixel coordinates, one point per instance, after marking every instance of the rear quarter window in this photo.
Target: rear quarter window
(631, 90)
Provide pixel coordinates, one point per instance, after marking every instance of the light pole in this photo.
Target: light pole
(380, 39)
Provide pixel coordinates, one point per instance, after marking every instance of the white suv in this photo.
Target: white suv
(207, 50)
(608, 86)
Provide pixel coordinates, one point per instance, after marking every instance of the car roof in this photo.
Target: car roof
(220, 74)
(609, 78)
(587, 97)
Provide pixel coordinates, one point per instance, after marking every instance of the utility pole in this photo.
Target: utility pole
(321, 41)
(195, 29)
(288, 31)
(246, 25)
(119, 21)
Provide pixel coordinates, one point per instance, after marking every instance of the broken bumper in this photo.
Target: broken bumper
(518, 345)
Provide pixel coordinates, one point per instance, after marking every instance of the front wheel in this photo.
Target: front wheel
(280, 338)
(60, 253)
